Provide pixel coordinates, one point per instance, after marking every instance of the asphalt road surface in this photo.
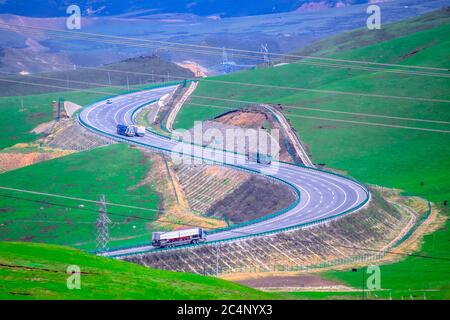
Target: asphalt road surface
(322, 195)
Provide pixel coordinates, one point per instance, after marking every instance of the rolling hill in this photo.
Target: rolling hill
(150, 69)
(344, 131)
(38, 271)
(26, 50)
(383, 141)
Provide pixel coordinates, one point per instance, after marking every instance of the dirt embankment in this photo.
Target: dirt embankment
(197, 69)
(340, 243)
(282, 282)
(256, 118)
(255, 198)
(22, 155)
(175, 211)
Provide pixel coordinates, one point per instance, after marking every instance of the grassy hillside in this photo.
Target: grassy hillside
(414, 276)
(393, 157)
(17, 121)
(360, 38)
(33, 271)
(114, 171)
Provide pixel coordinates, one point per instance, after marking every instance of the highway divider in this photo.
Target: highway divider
(230, 228)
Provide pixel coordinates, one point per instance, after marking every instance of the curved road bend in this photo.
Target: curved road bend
(323, 195)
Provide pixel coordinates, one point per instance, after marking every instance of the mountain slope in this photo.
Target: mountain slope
(151, 68)
(362, 37)
(226, 8)
(364, 145)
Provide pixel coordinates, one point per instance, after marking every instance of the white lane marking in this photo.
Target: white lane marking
(298, 173)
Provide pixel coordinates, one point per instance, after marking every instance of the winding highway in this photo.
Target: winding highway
(322, 195)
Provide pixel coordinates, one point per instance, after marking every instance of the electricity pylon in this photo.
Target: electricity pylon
(102, 224)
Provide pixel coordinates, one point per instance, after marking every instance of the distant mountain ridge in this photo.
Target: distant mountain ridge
(224, 8)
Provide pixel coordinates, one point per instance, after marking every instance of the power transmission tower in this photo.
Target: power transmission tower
(225, 62)
(265, 53)
(102, 224)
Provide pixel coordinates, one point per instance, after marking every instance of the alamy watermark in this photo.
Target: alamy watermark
(73, 22)
(73, 281)
(373, 281)
(229, 146)
(374, 20)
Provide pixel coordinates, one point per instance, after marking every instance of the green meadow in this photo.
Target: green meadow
(37, 271)
(114, 171)
(364, 135)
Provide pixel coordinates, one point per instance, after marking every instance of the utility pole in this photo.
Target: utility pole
(109, 79)
(22, 108)
(58, 105)
(217, 259)
(102, 224)
(363, 282)
(128, 84)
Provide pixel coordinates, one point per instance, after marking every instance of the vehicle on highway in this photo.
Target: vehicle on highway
(125, 130)
(259, 158)
(130, 130)
(178, 238)
(109, 101)
(139, 131)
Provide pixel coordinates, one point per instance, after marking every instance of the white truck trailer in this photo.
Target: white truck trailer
(139, 131)
(177, 238)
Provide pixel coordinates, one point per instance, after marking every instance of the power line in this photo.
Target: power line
(75, 198)
(324, 110)
(338, 120)
(438, 75)
(357, 67)
(216, 49)
(253, 102)
(280, 236)
(58, 87)
(323, 91)
(220, 107)
(358, 94)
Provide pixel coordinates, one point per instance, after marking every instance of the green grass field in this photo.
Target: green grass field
(36, 271)
(413, 277)
(392, 157)
(17, 122)
(371, 152)
(114, 171)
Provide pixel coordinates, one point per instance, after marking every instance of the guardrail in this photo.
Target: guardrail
(283, 211)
